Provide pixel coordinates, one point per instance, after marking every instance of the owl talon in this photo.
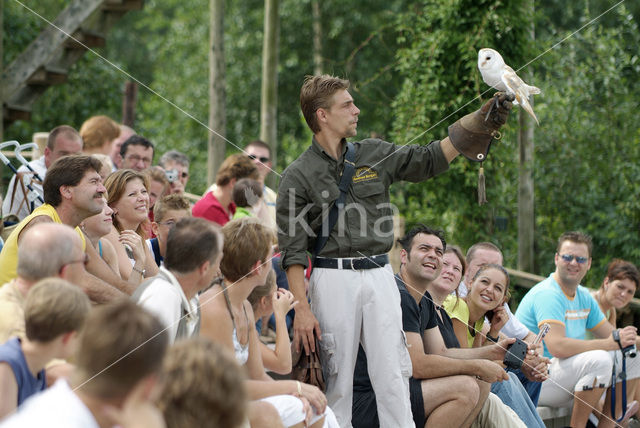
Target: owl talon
(494, 104)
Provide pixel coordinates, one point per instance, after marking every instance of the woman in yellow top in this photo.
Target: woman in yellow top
(487, 292)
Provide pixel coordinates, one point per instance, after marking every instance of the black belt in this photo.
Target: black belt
(358, 263)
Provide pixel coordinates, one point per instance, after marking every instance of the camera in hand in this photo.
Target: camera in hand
(515, 354)
(630, 351)
(172, 175)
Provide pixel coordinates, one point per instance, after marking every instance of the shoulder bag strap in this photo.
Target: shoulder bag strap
(343, 185)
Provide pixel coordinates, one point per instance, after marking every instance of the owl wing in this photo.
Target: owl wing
(516, 86)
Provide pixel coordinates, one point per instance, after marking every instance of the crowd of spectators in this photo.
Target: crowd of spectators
(124, 301)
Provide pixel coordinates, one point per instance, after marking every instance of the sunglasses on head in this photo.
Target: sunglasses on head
(262, 159)
(569, 258)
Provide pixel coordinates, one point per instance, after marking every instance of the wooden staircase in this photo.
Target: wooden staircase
(47, 60)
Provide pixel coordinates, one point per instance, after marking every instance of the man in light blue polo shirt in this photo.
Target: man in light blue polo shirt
(580, 369)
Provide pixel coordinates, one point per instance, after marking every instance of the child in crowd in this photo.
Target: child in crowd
(167, 212)
(265, 300)
(55, 310)
(95, 228)
(247, 195)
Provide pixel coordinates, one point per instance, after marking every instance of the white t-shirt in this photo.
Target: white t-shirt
(56, 407)
(164, 299)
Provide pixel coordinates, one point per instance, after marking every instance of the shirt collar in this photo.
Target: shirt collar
(316, 147)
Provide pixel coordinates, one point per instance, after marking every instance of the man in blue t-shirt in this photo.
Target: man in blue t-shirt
(580, 368)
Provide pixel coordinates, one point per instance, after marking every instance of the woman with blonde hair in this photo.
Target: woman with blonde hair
(129, 199)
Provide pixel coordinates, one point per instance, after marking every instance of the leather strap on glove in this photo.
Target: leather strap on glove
(472, 134)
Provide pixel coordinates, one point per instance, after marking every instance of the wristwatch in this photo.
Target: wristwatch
(616, 336)
(491, 338)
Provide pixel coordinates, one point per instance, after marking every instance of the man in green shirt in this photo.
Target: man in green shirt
(352, 290)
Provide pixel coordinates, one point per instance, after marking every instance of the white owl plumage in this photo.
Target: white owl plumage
(499, 75)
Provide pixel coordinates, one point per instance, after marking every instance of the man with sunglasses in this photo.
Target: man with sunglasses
(260, 153)
(580, 369)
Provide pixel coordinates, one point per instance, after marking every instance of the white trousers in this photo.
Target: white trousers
(291, 412)
(585, 370)
(356, 307)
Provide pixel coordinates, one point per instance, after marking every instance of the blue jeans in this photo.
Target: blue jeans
(532, 387)
(513, 394)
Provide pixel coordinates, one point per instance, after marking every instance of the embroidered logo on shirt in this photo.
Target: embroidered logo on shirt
(579, 314)
(364, 173)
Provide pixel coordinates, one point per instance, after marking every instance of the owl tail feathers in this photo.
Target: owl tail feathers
(533, 90)
(527, 107)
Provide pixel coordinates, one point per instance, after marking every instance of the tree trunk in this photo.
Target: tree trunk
(129, 103)
(217, 113)
(526, 218)
(317, 37)
(269, 98)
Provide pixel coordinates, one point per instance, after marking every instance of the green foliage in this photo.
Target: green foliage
(586, 147)
(413, 71)
(441, 83)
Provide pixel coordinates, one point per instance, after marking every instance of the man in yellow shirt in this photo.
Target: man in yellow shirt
(73, 191)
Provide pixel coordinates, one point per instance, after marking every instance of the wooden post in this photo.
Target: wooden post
(269, 94)
(526, 197)
(217, 113)
(129, 103)
(317, 37)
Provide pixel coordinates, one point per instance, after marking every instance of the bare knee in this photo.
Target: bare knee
(263, 415)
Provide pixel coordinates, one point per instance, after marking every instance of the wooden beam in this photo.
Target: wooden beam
(83, 39)
(11, 113)
(47, 42)
(47, 76)
(122, 5)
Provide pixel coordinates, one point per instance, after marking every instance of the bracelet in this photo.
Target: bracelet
(140, 271)
(491, 338)
(299, 388)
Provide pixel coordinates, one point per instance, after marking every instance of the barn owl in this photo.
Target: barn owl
(499, 75)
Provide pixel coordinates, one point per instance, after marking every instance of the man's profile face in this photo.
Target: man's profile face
(571, 273)
(64, 145)
(137, 157)
(341, 118)
(88, 195)
(424, 260)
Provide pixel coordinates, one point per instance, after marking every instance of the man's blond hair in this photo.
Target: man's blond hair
(317, 92)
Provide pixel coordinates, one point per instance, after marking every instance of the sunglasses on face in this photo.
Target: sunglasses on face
(569, 258)
(262, 159)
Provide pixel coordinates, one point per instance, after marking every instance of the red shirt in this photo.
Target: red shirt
(208, 207)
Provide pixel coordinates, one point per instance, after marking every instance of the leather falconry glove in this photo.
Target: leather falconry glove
(472, 134)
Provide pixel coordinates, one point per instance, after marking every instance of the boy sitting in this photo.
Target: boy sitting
(54, 311)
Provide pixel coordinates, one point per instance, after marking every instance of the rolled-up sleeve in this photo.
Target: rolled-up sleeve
(293, 230)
